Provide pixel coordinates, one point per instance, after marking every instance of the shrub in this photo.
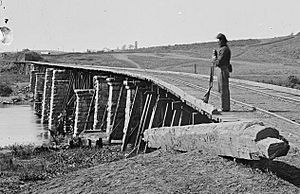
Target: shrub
(5, 90)
(32, 175)
(23, 151)
(293, 81)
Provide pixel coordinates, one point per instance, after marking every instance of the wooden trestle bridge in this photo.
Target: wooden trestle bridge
(148, 108)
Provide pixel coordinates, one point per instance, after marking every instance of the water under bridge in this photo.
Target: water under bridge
(163, 109)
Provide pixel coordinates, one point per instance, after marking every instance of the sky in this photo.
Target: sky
(78, 25)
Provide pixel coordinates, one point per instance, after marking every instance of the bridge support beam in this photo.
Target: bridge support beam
(60, 84)
(177, 113)
(115, 92)
(198, 118)
(131, 92)
(101, 97)
(34, 69)
(163, 113)
(38, 92)
(33, 79)
(184, 115)
(135, 100)
(83, 106)
(145, 120)
(47, 95)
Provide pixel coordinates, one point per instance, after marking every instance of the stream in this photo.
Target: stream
(20, 125)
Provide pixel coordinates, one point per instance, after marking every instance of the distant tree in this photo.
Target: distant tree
(25, 50)
(124, 47)
(131, 46)
(33, 56)
(5, 90)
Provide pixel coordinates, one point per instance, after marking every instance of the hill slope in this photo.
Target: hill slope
(285, 50)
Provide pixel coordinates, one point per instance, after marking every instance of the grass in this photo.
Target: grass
(14, 88)
(152, 62)
(271, 60)
(5, 90)
(87, 58)
(12, 78)
(29, 164)
(160, 172)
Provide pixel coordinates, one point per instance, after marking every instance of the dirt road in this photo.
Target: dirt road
(123, 57)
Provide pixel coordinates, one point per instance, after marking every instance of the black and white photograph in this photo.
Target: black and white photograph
(149, 96)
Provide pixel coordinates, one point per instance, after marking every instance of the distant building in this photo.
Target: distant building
(45, 53)
(107, 50)
(135, 45)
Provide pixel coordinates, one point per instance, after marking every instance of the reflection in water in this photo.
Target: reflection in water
(19, 125)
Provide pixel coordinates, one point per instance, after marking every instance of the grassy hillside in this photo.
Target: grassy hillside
(87, 58)
(271, 60)
(285, 50)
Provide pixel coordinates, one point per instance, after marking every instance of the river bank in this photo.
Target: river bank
(23, 166)
(21, 94)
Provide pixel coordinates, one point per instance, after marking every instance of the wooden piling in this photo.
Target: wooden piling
(115, 89)
(151, 98)
(134, 107)
(83, 101)
(60, 84)
(47, 95)
(101, 97)
(38, 92)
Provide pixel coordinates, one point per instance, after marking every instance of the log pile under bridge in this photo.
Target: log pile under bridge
(103, 104)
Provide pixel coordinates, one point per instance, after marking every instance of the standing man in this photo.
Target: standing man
(221, 59)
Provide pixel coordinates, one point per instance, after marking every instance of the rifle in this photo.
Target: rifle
(210, 85)
(211, 78)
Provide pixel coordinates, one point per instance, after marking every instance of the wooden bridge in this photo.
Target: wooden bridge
(159, 109)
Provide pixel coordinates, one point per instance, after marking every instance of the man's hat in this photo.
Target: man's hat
(221, 36)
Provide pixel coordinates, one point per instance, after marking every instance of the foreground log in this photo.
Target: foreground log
(244, 139)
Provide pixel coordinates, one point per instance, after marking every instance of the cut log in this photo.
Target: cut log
(244, 139)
